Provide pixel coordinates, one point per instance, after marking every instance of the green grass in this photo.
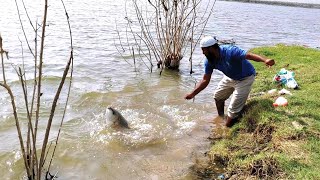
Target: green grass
(265, 144)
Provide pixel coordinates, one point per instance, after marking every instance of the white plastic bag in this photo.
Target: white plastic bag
(280, 101)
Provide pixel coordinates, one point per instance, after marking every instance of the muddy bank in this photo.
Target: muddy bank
(304, 4)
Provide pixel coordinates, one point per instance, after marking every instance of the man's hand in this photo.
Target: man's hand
(189, 96)
(199, 87)
(269, 62)
(257, 58)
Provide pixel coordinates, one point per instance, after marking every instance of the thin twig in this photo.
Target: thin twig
(14, 109)
(53, 107)
(33, 151)
(22, 27)
(39, 83)
(28, 15)
(35, 79)
(69, 88)
(45, 158)
(134, 58)
(2, 61)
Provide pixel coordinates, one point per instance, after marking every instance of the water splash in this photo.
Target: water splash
(146, 128)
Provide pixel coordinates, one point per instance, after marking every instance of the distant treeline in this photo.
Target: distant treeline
(295, 4)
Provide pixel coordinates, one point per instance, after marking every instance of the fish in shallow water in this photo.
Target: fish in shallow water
(116, 118)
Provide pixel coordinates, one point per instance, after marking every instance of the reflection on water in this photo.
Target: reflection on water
(168, 133)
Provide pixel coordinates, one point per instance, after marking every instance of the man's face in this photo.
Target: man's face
(208, 52)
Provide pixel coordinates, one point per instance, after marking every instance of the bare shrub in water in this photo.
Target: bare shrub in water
(166, 30)
(34, 161)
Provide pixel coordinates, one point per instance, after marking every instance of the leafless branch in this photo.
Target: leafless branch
(14, 109)
(22, 27)
(70, 65)
(2, 51)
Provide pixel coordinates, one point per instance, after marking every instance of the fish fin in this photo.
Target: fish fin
(112, 110)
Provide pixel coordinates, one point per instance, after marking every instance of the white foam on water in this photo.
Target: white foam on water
(145, 127)
(179, 116)
(12, 161)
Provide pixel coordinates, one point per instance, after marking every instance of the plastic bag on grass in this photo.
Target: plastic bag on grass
(286, 78)
(280, 101)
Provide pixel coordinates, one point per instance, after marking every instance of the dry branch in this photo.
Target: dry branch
(2, 51)
(14, 109)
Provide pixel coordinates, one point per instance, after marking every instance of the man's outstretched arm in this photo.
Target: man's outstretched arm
(257, 58)
(200, 86)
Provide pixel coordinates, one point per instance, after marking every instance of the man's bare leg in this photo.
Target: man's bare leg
(220, 107)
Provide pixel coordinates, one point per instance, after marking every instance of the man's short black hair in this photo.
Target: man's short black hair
(215, 46)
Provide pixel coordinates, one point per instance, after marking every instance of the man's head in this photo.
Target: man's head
(209, 46)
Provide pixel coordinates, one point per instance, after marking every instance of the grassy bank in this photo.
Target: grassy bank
(274, 142)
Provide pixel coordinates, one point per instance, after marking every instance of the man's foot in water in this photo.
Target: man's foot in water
(230, 122)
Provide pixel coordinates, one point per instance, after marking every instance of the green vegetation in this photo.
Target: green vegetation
(276, 142)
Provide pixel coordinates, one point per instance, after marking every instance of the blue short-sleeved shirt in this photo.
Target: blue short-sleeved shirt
(232, 63)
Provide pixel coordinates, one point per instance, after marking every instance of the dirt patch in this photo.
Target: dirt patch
(297, 136)
(267, 168)
(263, 134)
(205, 169)
(251, 125)
(220, 161)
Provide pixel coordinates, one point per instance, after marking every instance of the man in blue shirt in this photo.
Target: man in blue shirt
(238, 78)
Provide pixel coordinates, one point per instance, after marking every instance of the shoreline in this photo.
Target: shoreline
(280, 3)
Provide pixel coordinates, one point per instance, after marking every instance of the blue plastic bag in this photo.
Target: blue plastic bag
(286, 78)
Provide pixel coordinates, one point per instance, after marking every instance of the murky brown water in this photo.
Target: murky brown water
(168, 133)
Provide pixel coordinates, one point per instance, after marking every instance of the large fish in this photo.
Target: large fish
(116, 118)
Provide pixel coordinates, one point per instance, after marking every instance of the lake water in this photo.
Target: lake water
(168, 133)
